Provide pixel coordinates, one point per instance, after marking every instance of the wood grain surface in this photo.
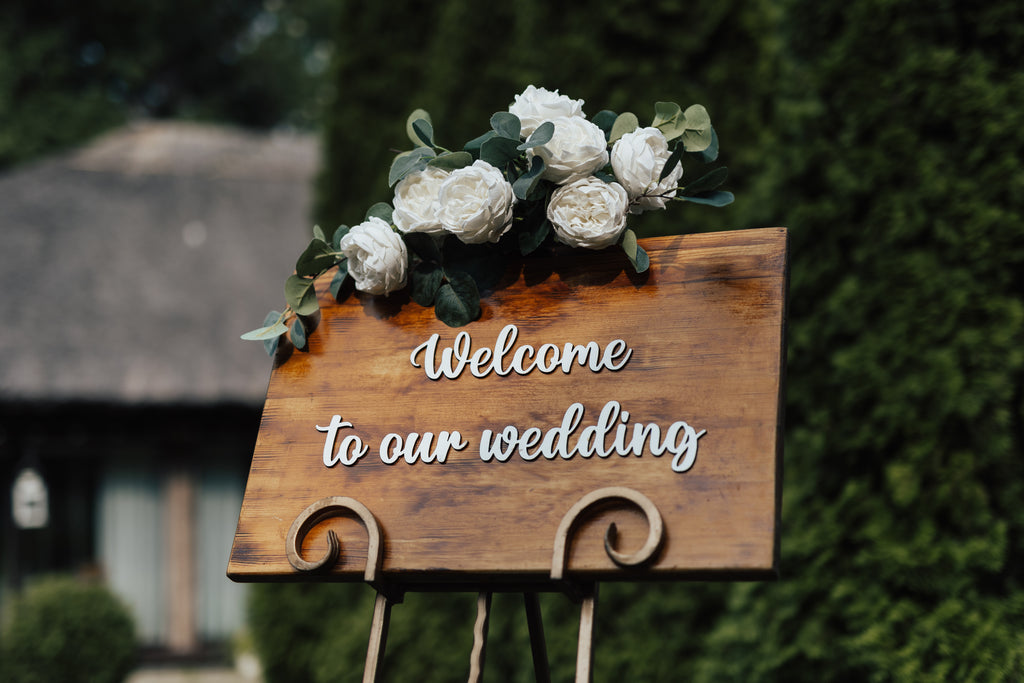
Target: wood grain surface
(706, 329)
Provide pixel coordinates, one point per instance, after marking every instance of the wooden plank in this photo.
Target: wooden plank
(704, 329)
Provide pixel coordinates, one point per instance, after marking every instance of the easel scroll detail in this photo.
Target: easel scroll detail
(655, 534)
(325, 508)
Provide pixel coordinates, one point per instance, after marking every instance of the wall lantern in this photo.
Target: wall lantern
(30, 500)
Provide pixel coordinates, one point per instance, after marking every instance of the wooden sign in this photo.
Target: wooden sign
(592, 423)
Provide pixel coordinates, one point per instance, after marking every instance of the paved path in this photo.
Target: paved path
(197, 675)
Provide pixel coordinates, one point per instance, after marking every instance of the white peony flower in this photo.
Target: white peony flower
(637, 161)
(475, 203)
(416, 201)
(576, 149)
(537, 105)
(588, 213)
(377, 258)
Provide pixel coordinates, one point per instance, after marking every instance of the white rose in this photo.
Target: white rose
(537, 105)
(588, 213)
(576, 149)
(416, 201)
(637, 161)
(377, 258)
(475, 203)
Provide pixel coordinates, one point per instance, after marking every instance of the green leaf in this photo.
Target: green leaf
(301, 295)
(706, 183)
(270, 345)
(318, 233)
(711, 153)
(339, 279)
(604, 120)
(409, 162)
(424, 131)
(416, 115)
(710, 198)
(624, 123)
(381, 210)
(452, 161)
(666, 114)
(634, 252)
(499, 151)
(540, 136)
(317, 258)
(298, 334)
(525, 184)
(340, 232)
(671, 162)
(473, 146)
(458, 300)
(426, 281)
(427, 247)
(507, 125)
(697, 128)
(273, 327)
(530, 239)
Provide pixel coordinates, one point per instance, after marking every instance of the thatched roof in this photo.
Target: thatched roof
(130, 267)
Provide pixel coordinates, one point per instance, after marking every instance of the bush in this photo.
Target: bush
(64, 630)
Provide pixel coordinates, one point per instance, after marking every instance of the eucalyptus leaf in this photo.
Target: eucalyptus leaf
(710, 153)
(507, 125)
(666, 114)
(416, 115)
(458, 300)
(424, 131)
(272, 328)
(710, 181)
(270, 345)
(529, 240)
(697, 128)
(473, 146)
(634, 252)
(300, 294)
(624, 123)
(525, 184)
(425, 246)
(298, 334)
(318, 233)
(409, 162)
(339, 279)
(671, 162)
(381, 210)
(717, 198)
(629, 244)
(318, 257)
(426, 281)
(498, 151)
(604, 120)
(540, 136)
(452, 161)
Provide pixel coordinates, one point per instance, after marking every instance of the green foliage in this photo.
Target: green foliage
(70, 69)
(899, 172)
(61, 629)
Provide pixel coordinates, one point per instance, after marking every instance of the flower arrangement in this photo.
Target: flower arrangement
(543, 174)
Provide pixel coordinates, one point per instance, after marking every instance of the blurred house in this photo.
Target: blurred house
(129, 270)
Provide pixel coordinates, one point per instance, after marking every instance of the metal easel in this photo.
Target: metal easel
(389, 595)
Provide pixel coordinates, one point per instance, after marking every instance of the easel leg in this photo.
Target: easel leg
(378, 638)
(483, 618)
(537, 643)
(585, 649)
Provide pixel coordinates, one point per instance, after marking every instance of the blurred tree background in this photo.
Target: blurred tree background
(70, 69)
(886, 134)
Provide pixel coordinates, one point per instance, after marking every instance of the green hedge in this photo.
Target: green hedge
(61, 629)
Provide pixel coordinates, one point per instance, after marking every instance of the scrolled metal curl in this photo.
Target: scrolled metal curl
(325, 508)
(655, 534)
